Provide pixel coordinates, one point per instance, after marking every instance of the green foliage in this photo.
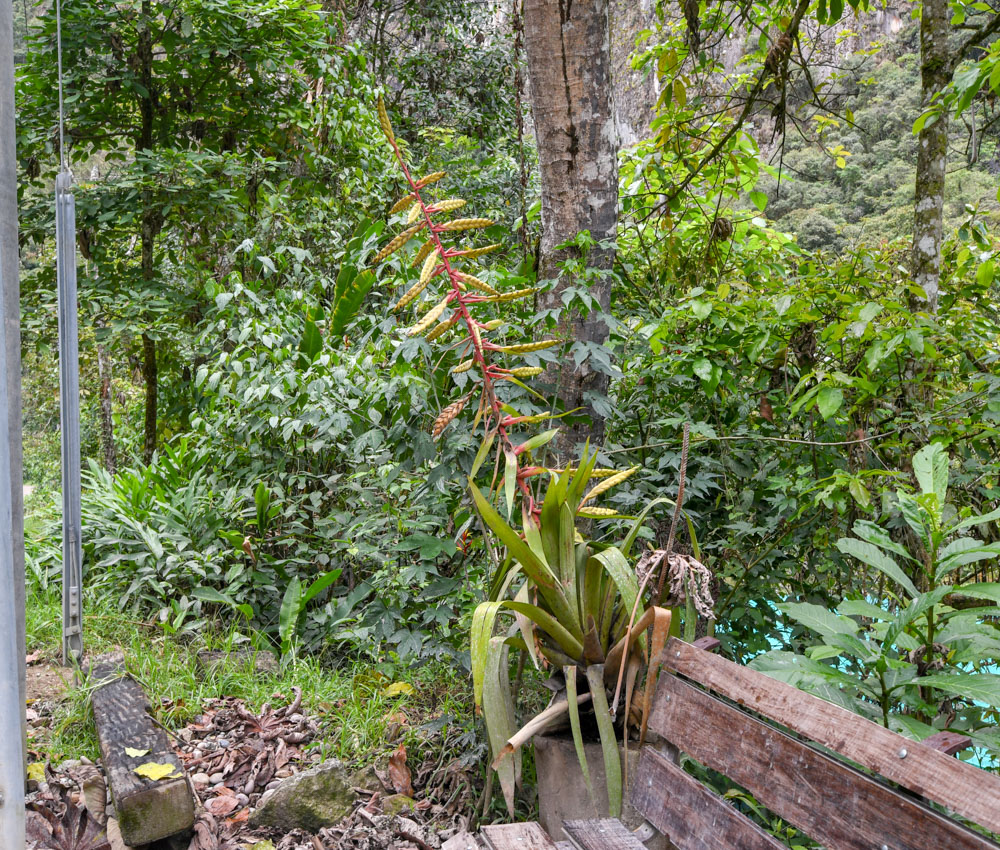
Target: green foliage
(925, 659)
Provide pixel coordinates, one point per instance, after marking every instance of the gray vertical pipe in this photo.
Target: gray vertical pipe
(10, 307)
(12, 720)
(69, 388)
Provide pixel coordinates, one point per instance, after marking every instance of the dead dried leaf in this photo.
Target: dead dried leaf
(133, 753)
(222, 806)
(399, 773)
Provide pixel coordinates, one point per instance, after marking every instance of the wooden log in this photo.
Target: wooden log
(835, 804)
(517, 836)
(928, 772)
(688, 813)
(147, 809)
(601, 834)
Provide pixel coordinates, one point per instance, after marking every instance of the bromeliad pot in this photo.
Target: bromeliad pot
(562, 789)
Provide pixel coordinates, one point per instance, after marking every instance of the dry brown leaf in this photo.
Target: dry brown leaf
(222, 805)
(399, 773)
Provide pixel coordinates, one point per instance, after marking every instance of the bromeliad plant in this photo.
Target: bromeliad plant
(576, 608)
(577, 604)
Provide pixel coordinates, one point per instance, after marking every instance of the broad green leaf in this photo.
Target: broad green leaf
(871, 555)
(480, 635)
(311, 343)
(819, 619)
(872, 533)
(930, 466)
(829, 400)
(550, 626)
(981, 687)
(540, 440)
(861, 608)
(481, 455)
(349, 301)
(962, 551)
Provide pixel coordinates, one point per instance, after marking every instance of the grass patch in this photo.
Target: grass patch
(362, 717)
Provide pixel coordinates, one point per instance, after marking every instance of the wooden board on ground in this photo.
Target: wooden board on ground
(148, 809)
(693, 817)
(961, 787)
(517, 836)
(831, 802)
(601, 834)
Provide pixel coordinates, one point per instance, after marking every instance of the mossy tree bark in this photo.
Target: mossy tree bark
(567, 45)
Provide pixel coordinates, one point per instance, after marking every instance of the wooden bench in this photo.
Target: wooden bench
(846, 782)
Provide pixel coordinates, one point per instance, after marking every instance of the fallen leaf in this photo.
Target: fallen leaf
(32, 657)
(131, 752)
(220, 806)
(242, 816)
(398, 688)
(156, 771)
(399, 773)
(36, 771)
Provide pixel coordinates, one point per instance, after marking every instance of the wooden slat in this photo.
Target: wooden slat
(517, 836)
(837, 805)
(961, 787)
(601, 834)
(947, 742)
(709, 644)
(688, 813)
(148, 810)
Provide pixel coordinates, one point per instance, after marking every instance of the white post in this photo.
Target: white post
(12, 719)
(69, 387)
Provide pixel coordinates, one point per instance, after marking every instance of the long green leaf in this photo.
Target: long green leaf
(871, 555)
(348, 302)
(319, 585)
(930, 466)
(872, 533)
(609, 742)
(633, 533)
(480, 635)
(288, 615)
(977, 520)
(911, 612)
(567, 642)
(569, 674)
(498, 711)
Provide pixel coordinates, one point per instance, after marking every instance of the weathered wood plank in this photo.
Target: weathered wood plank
(709, 644)
(833, 803)
(601, 834)
(687, 812)
(960, 787)
(947, 742)
(517, 836)
(147, 810)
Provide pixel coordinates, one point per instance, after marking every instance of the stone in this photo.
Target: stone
(201, 780)
(215, 779)
(311, 800)
(397, 804)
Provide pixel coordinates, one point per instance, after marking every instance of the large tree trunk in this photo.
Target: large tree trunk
(936, 67)
(567, 45)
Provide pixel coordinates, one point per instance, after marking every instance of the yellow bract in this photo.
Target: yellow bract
(430, 318)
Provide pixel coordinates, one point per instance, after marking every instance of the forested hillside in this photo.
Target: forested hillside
(409, 342)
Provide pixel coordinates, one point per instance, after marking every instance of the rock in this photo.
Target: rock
(201, 780)
(461, 841)
(311, 800)
(216, 779)
(365, 777)
(397, 804)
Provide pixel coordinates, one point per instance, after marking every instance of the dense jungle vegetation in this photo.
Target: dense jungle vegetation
(261, 458)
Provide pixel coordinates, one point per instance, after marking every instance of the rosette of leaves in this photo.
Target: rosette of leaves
(919, 660)
(573, 605)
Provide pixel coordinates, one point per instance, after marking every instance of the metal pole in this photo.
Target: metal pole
(69, 387)
(12, 740)
(10, 368)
